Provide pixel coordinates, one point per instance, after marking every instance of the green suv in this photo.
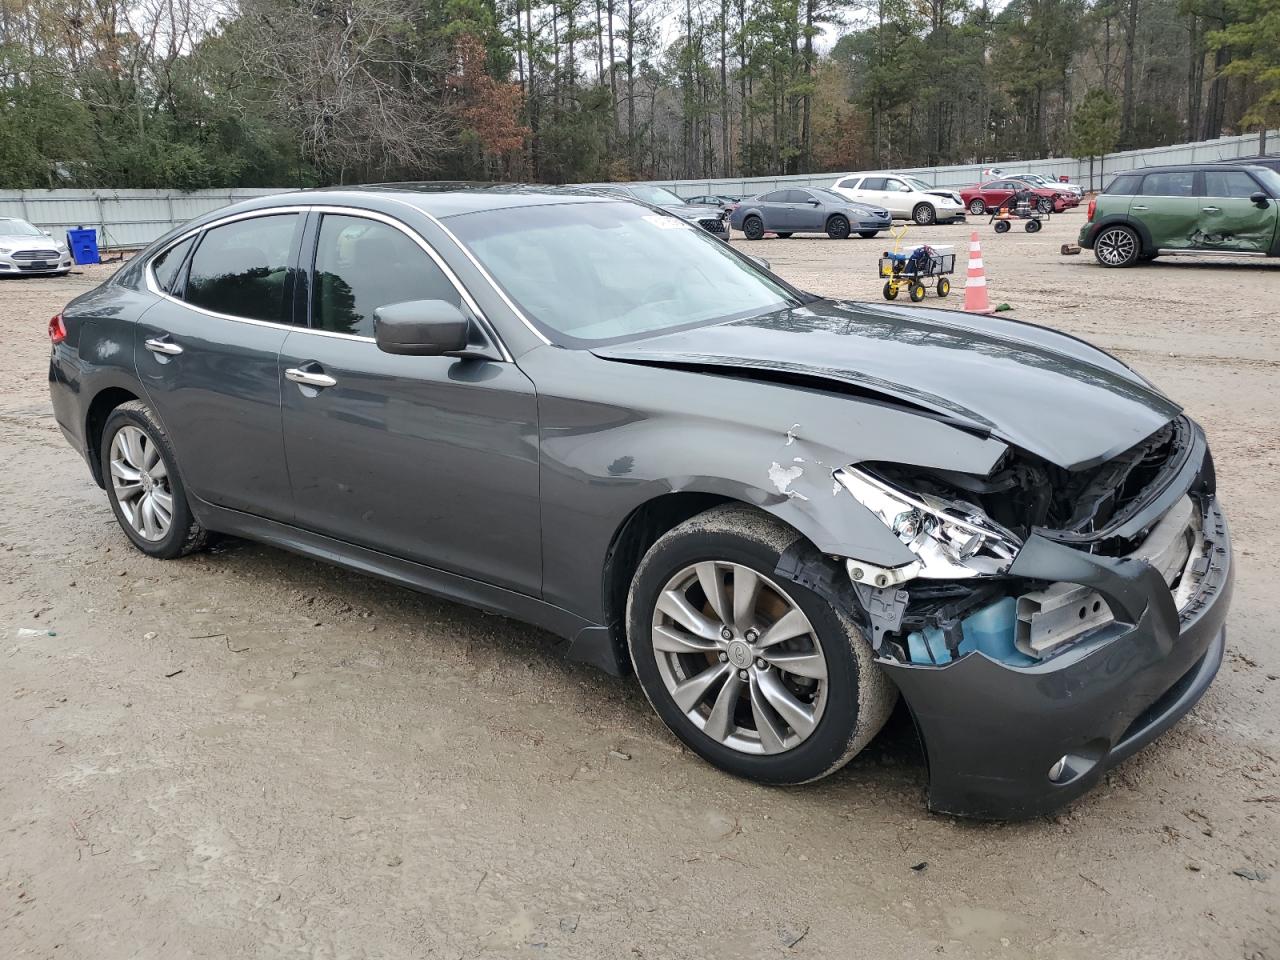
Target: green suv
(1201, 208)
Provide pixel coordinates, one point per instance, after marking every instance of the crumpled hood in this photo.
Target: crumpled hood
(1046, 392)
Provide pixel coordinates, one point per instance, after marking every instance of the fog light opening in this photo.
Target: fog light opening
(1058, 770)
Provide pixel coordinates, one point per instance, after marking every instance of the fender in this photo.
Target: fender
(1124, 220)
(626, 434)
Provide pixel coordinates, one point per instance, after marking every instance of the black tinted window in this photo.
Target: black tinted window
(848, 183)
(240, 268)
(166, 266)
(1171, 184)
(778, 196)
(1229, 183)
(799, 196)
(873, 183)
(1125, 186)
(362, 265)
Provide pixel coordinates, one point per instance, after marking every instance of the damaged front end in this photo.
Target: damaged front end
(1053, 621)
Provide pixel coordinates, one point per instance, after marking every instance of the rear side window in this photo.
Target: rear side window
(1169, 184)
(1125, 185)
(240, 268)
(363, 264)
(778, 196)
(166, 266)
(1229, 183)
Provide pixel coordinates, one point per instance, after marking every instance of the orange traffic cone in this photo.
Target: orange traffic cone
(975, 288)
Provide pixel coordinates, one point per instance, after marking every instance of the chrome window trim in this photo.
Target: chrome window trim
(154, 287)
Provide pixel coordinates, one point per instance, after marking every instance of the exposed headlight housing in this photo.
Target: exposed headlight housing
(951, 540)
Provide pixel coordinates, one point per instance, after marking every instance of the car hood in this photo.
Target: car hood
(32, 243)
(1045, 392)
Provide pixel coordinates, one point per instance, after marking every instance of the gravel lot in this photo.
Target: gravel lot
(246, 754)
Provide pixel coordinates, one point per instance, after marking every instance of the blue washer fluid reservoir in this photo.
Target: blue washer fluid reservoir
(990, 630)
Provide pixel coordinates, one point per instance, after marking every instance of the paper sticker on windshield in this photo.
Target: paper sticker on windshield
(665, 223)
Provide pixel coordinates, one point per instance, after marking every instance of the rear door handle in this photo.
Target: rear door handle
(310, 378)
(163, 345)
(1138, 206)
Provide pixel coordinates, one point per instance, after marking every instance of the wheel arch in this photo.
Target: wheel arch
(1145, 242)
(925, 203)
(95, 421)
(826, 224)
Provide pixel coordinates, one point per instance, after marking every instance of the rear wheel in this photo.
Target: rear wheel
(1033, 226)
(757, 674)
(924, 214)
(144, 486)
(917, 292)
(1116, 247)
(753, 228)
(977, 207)
(1002, 226)
(944, 286)
(838, 227)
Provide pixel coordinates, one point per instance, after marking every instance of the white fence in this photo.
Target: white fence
(133, 218)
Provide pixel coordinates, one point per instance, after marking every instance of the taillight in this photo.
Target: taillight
(57, 329)
(1093, 207)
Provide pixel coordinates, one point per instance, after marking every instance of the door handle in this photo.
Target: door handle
(1138, 206)
(163, 345)
(310, 378)
(1210, 209)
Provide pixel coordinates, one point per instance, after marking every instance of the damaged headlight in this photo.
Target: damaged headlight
(951, 540)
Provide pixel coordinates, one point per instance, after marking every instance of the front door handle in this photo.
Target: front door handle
(310, 378)
(1138, 206)
(1210, 209)
(163, 345)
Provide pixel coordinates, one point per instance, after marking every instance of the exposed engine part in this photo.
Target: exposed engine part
(1057, 615)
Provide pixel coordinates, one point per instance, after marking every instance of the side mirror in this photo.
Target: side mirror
(420, 328)
(1260, 200)
(815, 203)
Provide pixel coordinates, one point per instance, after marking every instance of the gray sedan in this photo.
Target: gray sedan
(808, 210)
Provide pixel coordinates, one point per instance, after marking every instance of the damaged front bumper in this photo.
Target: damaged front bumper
(1008, 741)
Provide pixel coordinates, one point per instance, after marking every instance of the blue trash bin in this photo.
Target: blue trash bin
(84, 245)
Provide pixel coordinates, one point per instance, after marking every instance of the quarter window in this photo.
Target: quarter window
(848, 183)
(166, 266)
(1229, 183)
(778, 196)
(363, 264)
(1169, 184)
(1124, 186)
(240, 268)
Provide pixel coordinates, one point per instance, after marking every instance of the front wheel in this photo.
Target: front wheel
(755, 673)
(890, 291)
(1033, 226)
(1002, 226)
(1116, 247)
(753, 228)
(917, 292)
(1045, 205)
(144, 486)
(977, 207)
(924, 214)
(838, 227)
(944, 286)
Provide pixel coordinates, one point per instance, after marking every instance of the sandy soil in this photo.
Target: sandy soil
(245, 754)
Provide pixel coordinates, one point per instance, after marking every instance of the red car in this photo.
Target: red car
(995, 193)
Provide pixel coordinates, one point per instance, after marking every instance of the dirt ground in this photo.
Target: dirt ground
(246, 754)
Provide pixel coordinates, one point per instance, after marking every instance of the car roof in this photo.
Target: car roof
(451, 198)
(1192, 167)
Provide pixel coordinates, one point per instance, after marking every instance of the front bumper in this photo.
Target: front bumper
(994, 732)
(873, 223)
(11, 266)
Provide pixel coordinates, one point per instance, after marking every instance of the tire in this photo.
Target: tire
(868, 234)
(753, 227)
(131, 436)
(784, 236)
(839, 714)
(944, 286)
(1002, 226)
(977, 207)
(917, 292)
(924, 214)
(1033, 226)
(1045, 205)
(1116, 246)
(838, 227)
(890, 291)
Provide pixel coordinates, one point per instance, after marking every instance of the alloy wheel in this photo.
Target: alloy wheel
(924, 215)
(140, 481)
(1116, 247)
(739, 657)
(977, 207)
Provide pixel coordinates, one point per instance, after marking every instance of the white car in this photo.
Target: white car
(28, 249)
(1039, 181)
(906, 198)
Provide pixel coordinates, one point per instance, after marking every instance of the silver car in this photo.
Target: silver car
(25, 248)
(807, 210)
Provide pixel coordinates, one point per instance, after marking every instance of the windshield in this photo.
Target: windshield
(588, 273)
(1270, 179)
(655, 195)
(918, 183)
(829, 194)
(13, 227)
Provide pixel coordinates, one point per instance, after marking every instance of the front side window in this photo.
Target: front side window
(897, 186)
(240, 268)
(166, 266)
(1172, 184)
(1229, 183)
(589, 273)
(363, 264)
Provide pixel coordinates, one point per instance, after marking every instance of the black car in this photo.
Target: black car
(712, 218)
(1270, 162)
(780, 511)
